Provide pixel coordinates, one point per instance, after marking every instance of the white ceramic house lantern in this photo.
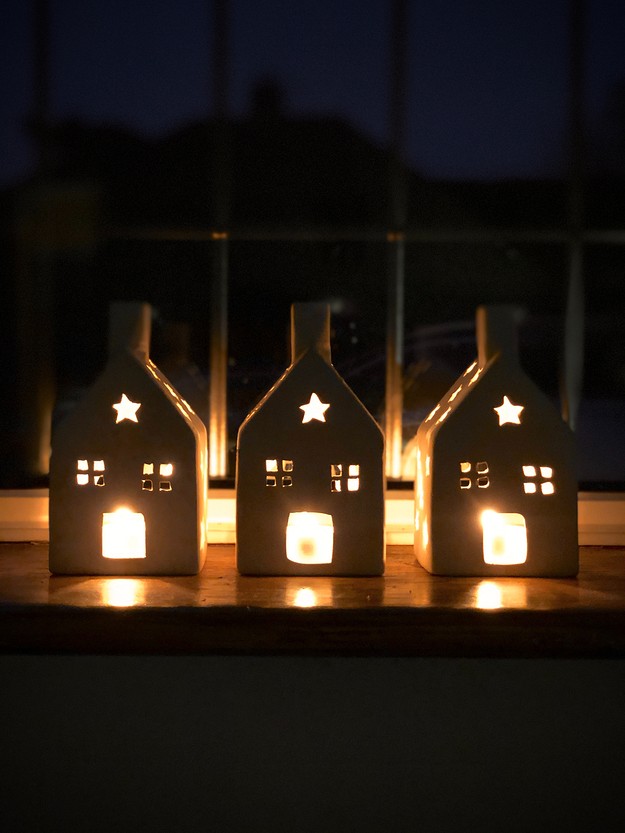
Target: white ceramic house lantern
(495, 484)
(310, 478)
(128, 472)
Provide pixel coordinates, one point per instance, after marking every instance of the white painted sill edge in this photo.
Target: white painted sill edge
(601, 517)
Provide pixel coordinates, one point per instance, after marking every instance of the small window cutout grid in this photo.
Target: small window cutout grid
(278, 471)
(345, 477)
(538, 480)
(165, 471)
(93, 471)
(474, 474)
(90, 471)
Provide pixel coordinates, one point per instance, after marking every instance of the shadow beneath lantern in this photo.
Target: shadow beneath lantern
(309, 592)
(123, 591)
(95, 591)
(83, 591)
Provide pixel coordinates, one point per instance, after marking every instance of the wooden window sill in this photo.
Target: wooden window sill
(405, 613)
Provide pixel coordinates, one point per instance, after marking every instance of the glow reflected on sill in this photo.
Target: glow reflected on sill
(495, 595)
(122, 592)
(488, 596)
(305, 597)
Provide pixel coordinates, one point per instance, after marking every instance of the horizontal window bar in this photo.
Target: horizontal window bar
(601, 517)
(370, 235)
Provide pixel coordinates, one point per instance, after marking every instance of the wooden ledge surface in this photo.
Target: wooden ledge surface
(406, 612)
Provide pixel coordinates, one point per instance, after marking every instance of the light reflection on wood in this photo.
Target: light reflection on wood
(405, 612)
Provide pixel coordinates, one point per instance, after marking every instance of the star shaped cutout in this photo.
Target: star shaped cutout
(507, 412)
(315, 409)
(126, 409)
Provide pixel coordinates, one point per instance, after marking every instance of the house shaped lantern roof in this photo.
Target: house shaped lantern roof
(128, 474)
(495, 483)
(309, 468)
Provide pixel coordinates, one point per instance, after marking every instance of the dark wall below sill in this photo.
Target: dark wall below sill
(189, 744)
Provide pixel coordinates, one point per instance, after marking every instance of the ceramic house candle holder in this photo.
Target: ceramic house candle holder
(495, 484)
(128, 472)
(310, 479)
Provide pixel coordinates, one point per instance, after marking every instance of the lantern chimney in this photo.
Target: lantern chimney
(310, 330)
(497, 332)
(130, 328)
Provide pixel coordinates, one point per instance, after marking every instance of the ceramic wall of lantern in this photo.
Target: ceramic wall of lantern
(310, 478)
(128, 472)
(495, 484)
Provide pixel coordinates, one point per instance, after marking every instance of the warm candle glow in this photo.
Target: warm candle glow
(305, 597)
(123, 534)
(126, 409)
(309, 538)
(505, 538)
(493, 595)
(122, 592)
(314, 409)
(509, 413)
(488, 596)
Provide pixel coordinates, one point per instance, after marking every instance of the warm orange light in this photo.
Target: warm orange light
(309, 538)
(509, 413)
(488, 596)
(305, 597)
(493, 595)
(126, 409)
(123, 534)
(504, 538)
(122, 592)
(314, 409)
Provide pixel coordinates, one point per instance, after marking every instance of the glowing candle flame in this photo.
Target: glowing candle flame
(309, 538)
(505, 538)
(123, 534)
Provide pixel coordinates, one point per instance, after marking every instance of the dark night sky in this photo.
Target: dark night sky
(487, 79)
